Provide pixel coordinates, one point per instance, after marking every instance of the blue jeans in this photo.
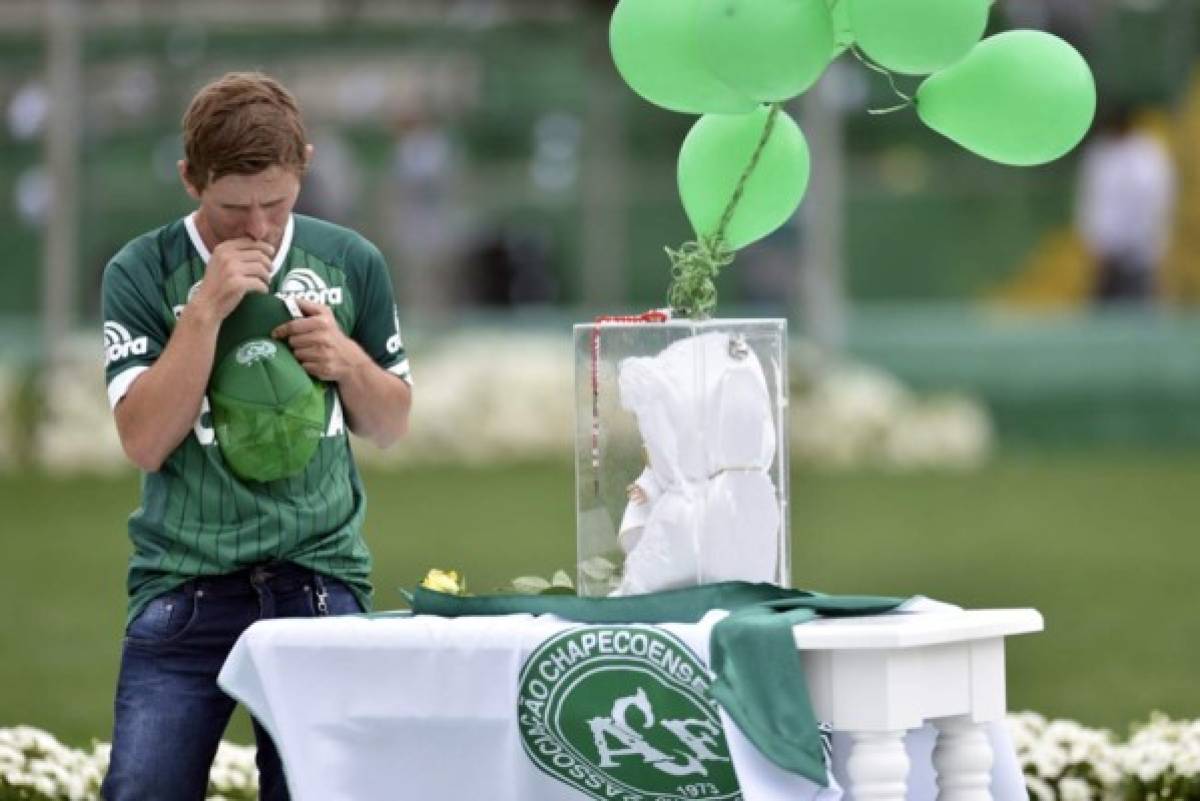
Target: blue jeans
(170, 714)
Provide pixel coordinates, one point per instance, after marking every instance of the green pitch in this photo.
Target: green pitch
(1102, 544)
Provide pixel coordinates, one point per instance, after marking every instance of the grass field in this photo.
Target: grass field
(1102, 544)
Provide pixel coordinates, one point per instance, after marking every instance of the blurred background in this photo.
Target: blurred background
(995, 370)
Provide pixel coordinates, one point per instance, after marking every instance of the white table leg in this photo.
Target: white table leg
(878, 766)
(963, 760)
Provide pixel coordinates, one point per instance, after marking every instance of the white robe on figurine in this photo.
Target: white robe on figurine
(711, 511)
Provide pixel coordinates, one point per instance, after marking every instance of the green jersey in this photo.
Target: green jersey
(196, 517)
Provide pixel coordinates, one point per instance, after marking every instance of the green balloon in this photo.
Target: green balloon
(917, 37)
(769, 50)
(714, 155)
(1019, 98)
(843, 31)
(654, 50)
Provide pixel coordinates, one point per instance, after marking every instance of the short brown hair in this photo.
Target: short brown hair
(242, 124)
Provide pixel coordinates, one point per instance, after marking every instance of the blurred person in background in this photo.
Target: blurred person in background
(424, 209)
(213, 551)
(1124, 206)
(509, 266)
(332, 183)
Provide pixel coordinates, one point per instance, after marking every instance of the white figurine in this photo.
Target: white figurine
(642, 493)
(705, 508)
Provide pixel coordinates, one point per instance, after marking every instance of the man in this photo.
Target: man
(214, 551)
(1125, 206)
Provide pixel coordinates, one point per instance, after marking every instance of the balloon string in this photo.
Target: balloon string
(695, 265)
(866, 62)
(741, 185)
(694, 268)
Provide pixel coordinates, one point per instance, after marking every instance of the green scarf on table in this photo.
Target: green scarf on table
(758, 677)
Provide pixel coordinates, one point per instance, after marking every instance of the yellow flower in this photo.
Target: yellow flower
(447, 581)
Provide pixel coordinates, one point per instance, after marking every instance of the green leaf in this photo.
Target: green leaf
(530, 585)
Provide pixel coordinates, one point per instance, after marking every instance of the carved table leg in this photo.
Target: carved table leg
(878, 766)
(963, 760)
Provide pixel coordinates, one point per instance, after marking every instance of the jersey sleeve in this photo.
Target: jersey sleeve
(377, 327)
(134, 330)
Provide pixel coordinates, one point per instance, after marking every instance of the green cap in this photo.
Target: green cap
(269, 414)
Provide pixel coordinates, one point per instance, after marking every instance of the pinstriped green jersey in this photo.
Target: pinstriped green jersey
(196, 517)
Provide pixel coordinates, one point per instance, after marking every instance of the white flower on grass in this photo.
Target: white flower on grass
(1033, 721)
(75, 788)
(1187, 761)
(234, 771)
(78, 432)
(1039, 789)
(18, 779)
(1073, 789)
(1064, 731)
(850, 415)
(944, 432)
(1108, 772)
(1067, 758)
(219, 776)
(100, 756)
(464, 418)
(28, 738)
(1152, 749)
(1049, 760)
(10, 756)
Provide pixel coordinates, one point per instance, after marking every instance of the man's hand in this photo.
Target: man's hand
(319, 344)
(376, 401)
(237, 266)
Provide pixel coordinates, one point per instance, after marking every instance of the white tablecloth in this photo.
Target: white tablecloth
(423, 707)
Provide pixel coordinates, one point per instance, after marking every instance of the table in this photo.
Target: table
(876, 678)
(338, 694)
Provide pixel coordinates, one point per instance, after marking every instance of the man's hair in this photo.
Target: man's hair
(242, 124)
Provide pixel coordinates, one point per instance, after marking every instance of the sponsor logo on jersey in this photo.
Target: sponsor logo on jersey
(306, 284)
(255, 351)
(191, 294)
(394, 344)
(206, 435)
(623, 712)
(119, 344)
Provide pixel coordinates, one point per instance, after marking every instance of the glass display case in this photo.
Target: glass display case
(681, 454)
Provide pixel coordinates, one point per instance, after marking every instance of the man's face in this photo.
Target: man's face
(255, 206)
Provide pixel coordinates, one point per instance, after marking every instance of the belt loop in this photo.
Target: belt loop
(322, 595)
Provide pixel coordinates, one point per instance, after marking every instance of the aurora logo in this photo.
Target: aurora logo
(306, 284)
(119, 344)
